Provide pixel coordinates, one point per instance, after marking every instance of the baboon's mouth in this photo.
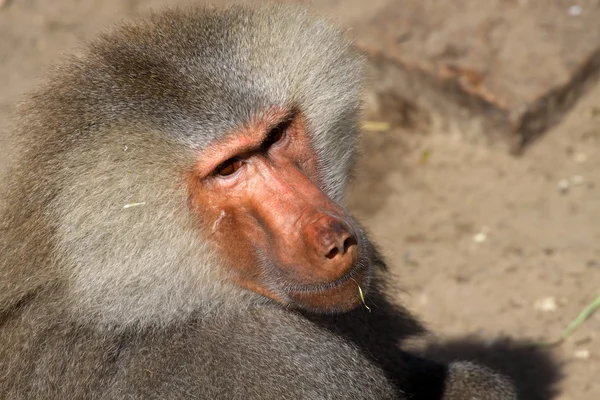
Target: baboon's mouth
(357, 274)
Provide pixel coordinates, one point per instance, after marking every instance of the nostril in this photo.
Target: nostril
(331, 238)
(347, 243)
(332, 253)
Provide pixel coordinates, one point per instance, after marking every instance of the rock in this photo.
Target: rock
(500, 72)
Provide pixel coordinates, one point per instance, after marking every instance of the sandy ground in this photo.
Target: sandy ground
(499, 250)
(492, 252)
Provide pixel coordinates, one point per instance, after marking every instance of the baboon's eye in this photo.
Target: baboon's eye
(276, 134)
(228, 167)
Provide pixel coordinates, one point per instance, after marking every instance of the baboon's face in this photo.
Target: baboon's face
(258, 192)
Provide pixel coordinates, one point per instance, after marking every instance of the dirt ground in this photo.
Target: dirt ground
(493, 252)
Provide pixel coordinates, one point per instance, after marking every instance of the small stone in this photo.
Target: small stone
(577, 180)
(545, 304)
(575, 10)
(582, 354)
(482, 235)
(563, 185)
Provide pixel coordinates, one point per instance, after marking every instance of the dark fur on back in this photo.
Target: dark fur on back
(100, 300)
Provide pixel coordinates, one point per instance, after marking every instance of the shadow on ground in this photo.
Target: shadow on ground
(533, 370)
(422, 373)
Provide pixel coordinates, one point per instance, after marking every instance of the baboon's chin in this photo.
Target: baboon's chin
(342, 295)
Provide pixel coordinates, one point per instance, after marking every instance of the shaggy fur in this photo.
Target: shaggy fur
(107, 290)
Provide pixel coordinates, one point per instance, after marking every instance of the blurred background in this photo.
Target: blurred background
(480, 176)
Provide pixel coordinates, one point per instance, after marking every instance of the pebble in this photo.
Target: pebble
(575, 10)
(577, 180)
(582, 354)
(563, 185)
(545, 304)
(482, 235)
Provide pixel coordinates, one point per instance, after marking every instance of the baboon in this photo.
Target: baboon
(174, 227)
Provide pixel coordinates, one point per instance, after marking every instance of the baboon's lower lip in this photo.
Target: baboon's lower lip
(355, 274)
